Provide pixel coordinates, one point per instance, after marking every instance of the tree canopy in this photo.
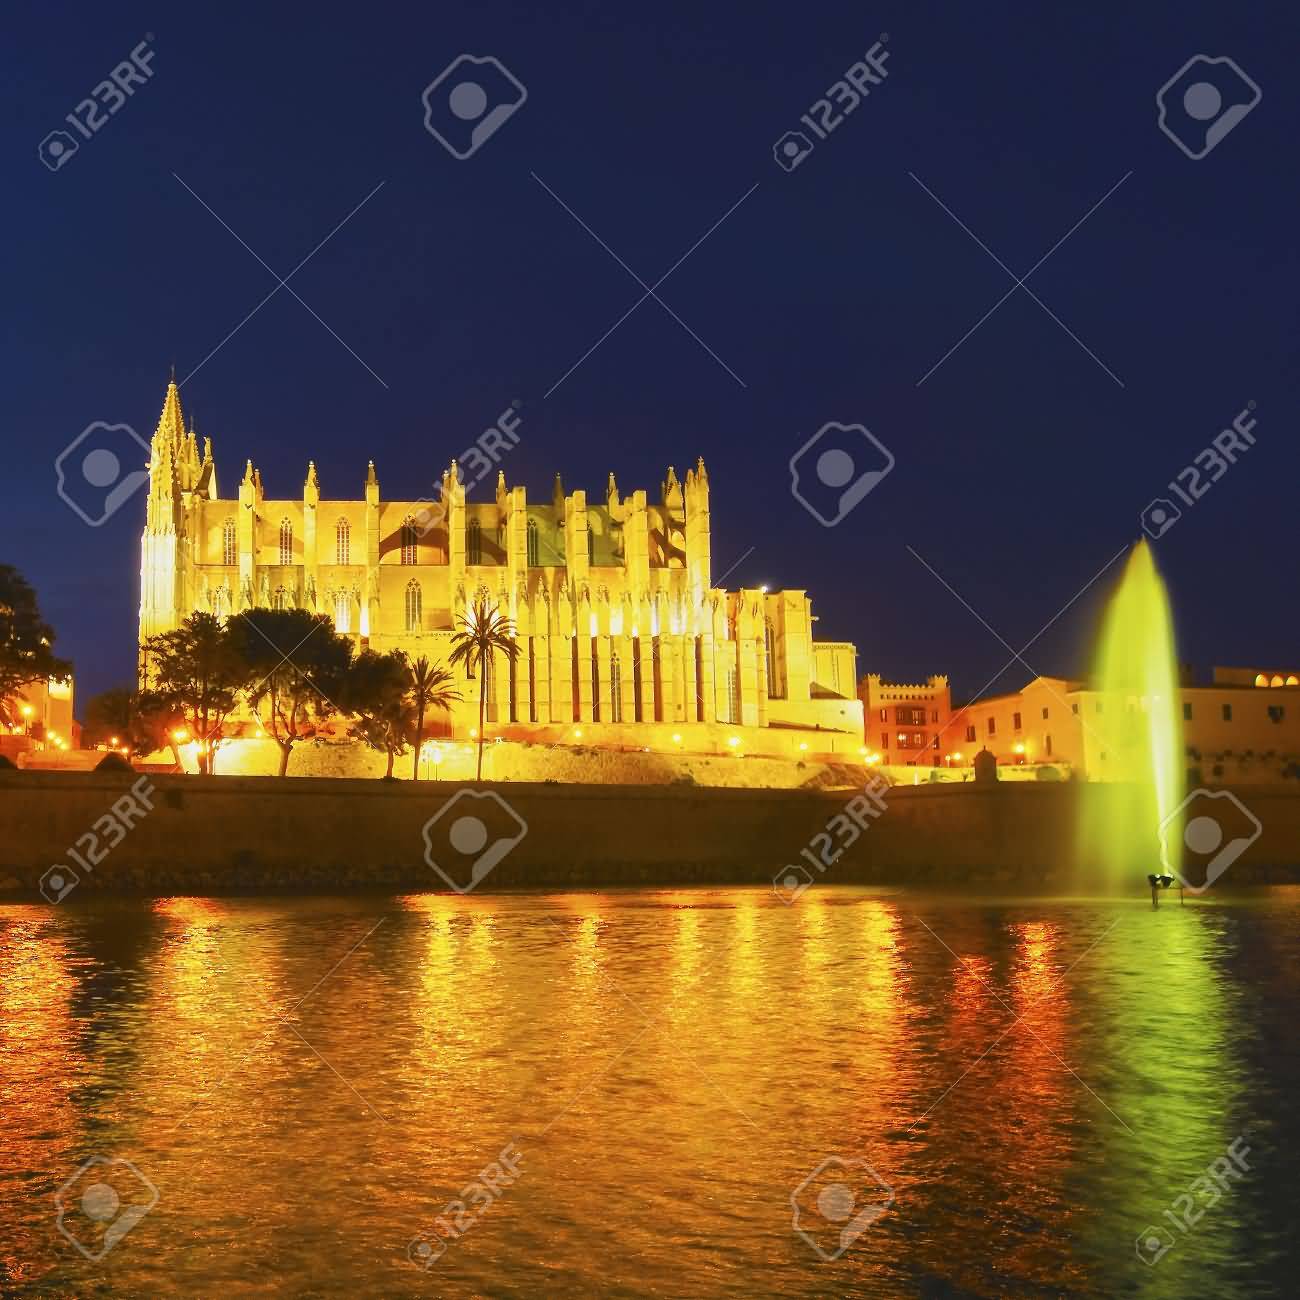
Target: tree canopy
(26, 643)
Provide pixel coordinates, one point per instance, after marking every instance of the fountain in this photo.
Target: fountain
(1133, 724)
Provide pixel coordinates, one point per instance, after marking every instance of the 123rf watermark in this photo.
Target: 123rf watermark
(101, 1203)
(828, 846)
(94, 112)
(1208, 466)
(835, 469)
(97, 843)
(1203, 101)
(837, 1203)
(1156, 1241)
(469, 101)
(460, 1215)
(475, 463)
(829, 113)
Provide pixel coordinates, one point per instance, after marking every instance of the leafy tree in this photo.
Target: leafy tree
(299, 668)
(429, 688)
(199, 669)
(26, 641)
(484, 633)
(141, 721)
(376, 692)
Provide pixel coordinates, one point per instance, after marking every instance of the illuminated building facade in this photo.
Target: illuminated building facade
(621, 631)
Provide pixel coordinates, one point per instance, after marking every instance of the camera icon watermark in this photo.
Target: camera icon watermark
(791, 149)
(58, 882)
(94, 470)
(101, 1203)
(790, 882)
(469, 101)
(469, 835)
(425, 1252)
(836, 468)
(1205, 835)
(1153, 1244)
(430, 515)
(837, 1203)
(1204, 100)
(56, 149)
(1159, 517)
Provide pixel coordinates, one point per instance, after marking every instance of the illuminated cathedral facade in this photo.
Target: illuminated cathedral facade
(624, 639)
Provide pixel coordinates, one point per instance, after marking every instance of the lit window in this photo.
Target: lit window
(342, 612)
(414, 606)
(286, 542)
(281, 598)
(343, 542)
(229, 543)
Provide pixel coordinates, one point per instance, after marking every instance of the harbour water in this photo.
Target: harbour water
(962, 1098)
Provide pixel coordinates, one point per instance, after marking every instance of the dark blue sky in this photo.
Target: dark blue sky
(1021, 464)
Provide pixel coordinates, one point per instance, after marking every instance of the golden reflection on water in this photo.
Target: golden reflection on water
(671, 1063)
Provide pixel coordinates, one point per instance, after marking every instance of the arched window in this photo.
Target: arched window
(410, 539)
(1261, 679)
(414, 606)
(474, 546)
(591, 547)
(343, 542)
(1276, 680)
(286, 542)
(616, 686)
(229, 543)
(1292, 680)
(773, 684)
(342, 612)
(281, 598)
(532, 544)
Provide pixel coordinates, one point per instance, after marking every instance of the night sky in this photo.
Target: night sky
(1022, 463)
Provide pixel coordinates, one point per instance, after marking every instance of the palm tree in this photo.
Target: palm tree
(484, 632)
(427, 688)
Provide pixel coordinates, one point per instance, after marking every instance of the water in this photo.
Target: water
(1134, 729)
(308, 1082)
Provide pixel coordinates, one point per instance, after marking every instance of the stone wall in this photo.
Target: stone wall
(238, 834)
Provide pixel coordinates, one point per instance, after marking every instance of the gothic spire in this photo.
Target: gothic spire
(171, 424)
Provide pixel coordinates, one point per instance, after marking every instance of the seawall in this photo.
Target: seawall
(248, 834)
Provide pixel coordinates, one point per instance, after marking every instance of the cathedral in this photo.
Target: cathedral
(624, 639)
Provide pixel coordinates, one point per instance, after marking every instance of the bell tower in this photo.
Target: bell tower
(162, 543)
